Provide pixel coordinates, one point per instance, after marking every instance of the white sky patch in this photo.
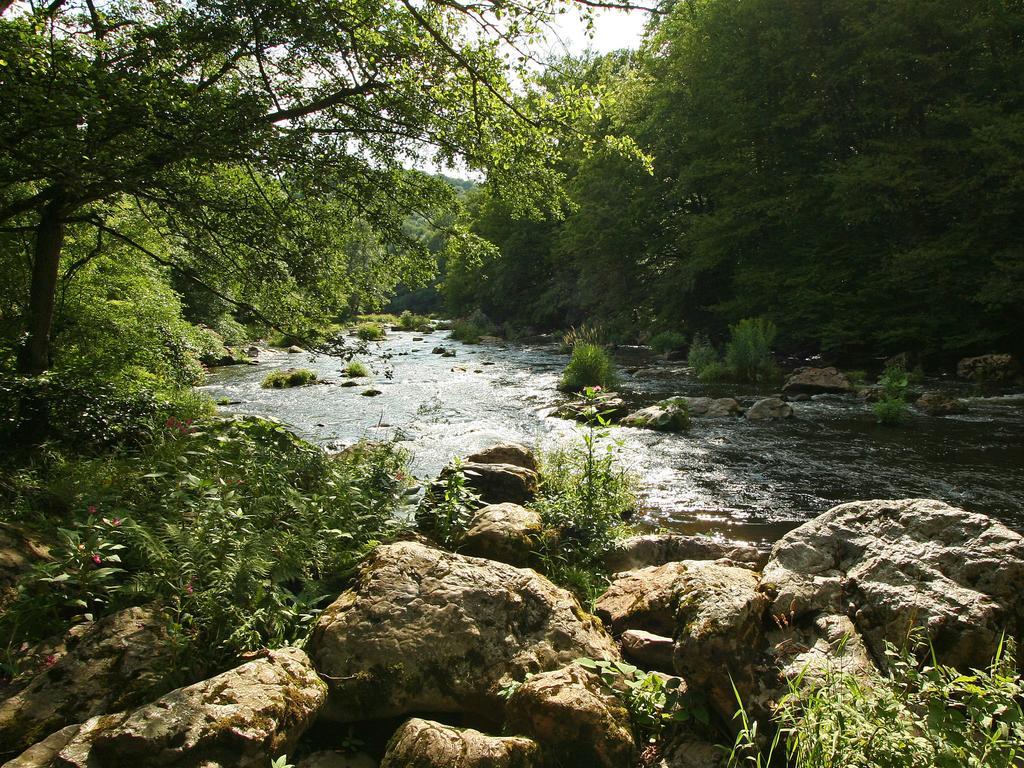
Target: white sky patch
(613, 29)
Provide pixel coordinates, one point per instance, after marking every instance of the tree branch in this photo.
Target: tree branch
(318, 105)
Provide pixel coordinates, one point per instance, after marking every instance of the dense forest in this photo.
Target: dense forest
(850, 171)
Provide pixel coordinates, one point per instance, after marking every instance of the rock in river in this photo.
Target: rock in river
(426, 744)
(817, 381)
(503, 532)
(769, 409)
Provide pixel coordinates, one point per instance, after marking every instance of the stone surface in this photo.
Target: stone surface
(648, 650)
(666, 416)
(711, 407)
(718, 631)
(938, 404)
(295, 349)
(814, 645)
(892, 564)
(769, 409)
(645, 599)
(505, 453)
(660, 548)
(430, 631)
(817, 381)
(498, 483)
(504, 532)
(426, 744)
(990, 369)
(239, 719)
(609, 405)
(116, 663)
(19, 551)
(688, 752)
(577, 722)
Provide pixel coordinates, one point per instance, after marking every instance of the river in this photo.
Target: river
(727, 477)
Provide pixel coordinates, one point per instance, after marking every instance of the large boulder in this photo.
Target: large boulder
(498, 483)
(426, 744)
(817, 381)
(506, 453)
(576, 720)
(938, 404)
(646, 599)
(504, 532)
(814, 646)
(116, 663)
(711, 407)
(770, 409)
(718, 631)
(240, 719)
(328, 759)
(648, 650)
(989, 369)
(890, 565)
(428, 630)
(608, 405)
(667, 416)
(660, 548)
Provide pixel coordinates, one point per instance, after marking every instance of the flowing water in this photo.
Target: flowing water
(729, 477)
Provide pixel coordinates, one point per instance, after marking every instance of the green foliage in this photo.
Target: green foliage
(356, 370)
(891, 408)
(446, 512)
(748, 354)
(293, 377)
(583, 334)
(652, 701)
(370, 332)
(584, 499)
(917, 716)
(716, 371)
(589, 366)
(857, 377)
(469, 330)
(408, 321)
(702, 355)
(236, 528)
(667, 341)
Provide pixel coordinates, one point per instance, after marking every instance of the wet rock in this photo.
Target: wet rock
(426, 744)
(349, 383)
(989, 369)
(427, 630)
(609, 405)
(817, 381)
(769, 409)
(578, 723)
(938, 404)
(239, 719)
(438, 350)
(815, 645)
(647, 649)
(711, 407)
(506, 453)
(666, 416)
(498, 483)
(718, 631)
(660, 548)
(295, 349)
(116, 663)
(503, 532)
(889, 565)
(326, 759)
(371, 392)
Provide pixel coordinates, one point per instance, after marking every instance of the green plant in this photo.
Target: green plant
(589, 366)
(917, 715)
(715, 372)
(667, 341)
(408, 321)
(281, 762)
(583, 334)
(356, 370)
(857, 377)
(293, 377)
(652, 700)
(447, 518)
(891, 408)
(748, 354)
(702, 354)
(370, 332)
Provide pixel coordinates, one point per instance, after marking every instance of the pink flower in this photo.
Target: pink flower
(92, 509)
(188, 588)
(597, 388)
(115, 522)
(50, 660)
(96, 559)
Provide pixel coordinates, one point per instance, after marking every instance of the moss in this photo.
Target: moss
(293, 377)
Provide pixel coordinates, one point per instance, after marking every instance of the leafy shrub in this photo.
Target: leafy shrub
(356, 370)
(583, 334)
(857, 377)
(913, 717)
(589, 366)
(748, 354)
(667, 341)
(702, 354)
(238, 529)
(584, 498)
(891, 409)
(370, 331)
(469, 330)
(293, 377)
(407, 321)
(446, 512)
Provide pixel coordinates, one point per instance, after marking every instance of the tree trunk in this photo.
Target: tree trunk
(34, 355)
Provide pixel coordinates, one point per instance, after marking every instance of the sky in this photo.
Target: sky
(613, 29)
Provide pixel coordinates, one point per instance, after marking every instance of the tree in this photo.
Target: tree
(230, 124)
